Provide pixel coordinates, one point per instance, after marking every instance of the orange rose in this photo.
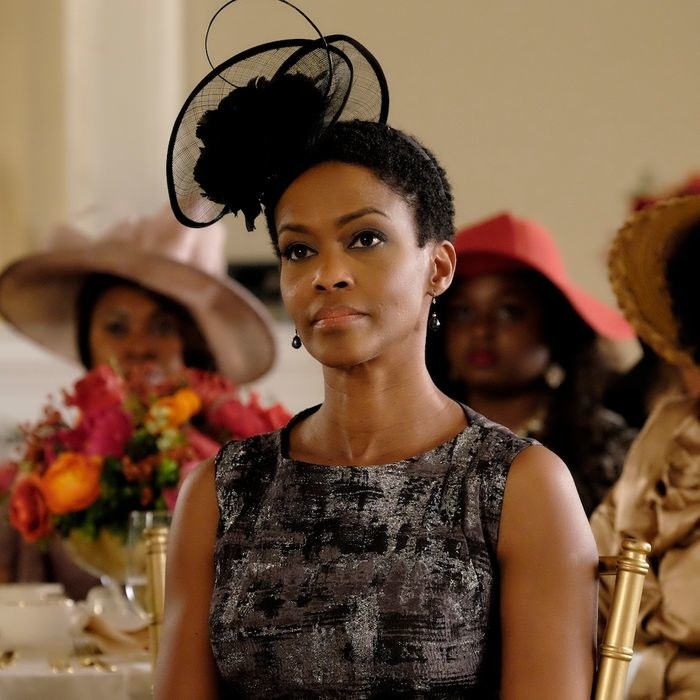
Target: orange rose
(178, 408)
(28, 512)
(72, 482)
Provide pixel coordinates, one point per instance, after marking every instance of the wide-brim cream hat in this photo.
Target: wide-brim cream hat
(637, 266)
(38, 292)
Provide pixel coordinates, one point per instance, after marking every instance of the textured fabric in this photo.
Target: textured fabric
(360, 582)
(657, 499)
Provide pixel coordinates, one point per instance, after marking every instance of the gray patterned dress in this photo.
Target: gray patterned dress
(360, 582)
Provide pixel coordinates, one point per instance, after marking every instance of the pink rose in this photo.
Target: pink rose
(277, 416)
(210, 387)
(100, 388)
(204, 448)
(104, 432)
(239, 420)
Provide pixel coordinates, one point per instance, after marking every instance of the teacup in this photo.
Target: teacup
(111, 605)
(41, 627)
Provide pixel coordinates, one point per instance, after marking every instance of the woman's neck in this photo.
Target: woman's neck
(522, 412)
(375, 418)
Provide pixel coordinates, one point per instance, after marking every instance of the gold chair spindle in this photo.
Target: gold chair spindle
(156, 546)
(629, 567)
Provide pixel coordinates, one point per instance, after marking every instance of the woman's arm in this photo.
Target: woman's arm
(548, 561)
(185, 667)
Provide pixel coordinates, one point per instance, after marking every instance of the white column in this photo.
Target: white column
(122, 91)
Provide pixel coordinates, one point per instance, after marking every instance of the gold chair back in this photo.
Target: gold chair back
(629, 568)
(156, 546)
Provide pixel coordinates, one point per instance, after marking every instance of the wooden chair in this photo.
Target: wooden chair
(156, 546)
(629, 568)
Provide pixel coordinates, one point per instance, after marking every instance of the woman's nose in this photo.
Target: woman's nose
(482, 325)
(332, 272)
(141, 346)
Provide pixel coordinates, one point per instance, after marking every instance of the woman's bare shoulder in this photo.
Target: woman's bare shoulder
(196, 511)
(537, 468)
(541, 506)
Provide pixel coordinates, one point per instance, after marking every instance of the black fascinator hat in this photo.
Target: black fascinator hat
(259, 112)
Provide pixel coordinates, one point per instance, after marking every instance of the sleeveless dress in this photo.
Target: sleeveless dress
(360, 582)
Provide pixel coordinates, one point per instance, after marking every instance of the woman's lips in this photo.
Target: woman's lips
(482, 358)
(336, 316)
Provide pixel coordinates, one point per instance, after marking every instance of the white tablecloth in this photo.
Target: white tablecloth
(34, 679)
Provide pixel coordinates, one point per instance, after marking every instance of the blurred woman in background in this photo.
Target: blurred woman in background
(518, 341)
(653, 270)
(149, 295)
(634, 394)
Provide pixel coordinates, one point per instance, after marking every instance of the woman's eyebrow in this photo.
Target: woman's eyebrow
(340, 221)
(346, 218)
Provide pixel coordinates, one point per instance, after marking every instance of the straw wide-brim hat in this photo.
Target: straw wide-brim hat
(505, 242)
(38, 292)
(637, 266)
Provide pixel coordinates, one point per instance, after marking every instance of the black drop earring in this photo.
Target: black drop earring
(296, 340)
(433, 321)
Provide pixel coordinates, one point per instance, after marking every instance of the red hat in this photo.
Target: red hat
(504, 243)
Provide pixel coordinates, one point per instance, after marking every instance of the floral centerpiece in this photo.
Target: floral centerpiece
(118, 443)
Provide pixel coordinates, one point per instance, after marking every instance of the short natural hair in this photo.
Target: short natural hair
(397, 159)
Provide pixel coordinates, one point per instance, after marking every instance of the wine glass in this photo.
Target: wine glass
(136, 578)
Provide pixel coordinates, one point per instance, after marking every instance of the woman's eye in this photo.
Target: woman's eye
(502, 314)
(510, 312)
(164, 326)
(461, 314)
(297, 251)
(116, 329)
(366, 239)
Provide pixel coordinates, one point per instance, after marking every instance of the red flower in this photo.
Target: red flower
(210, 387)
(104, 432)
(100, 388)
(202, 445)
(8, 473)
(128, 438)
(277, 416)
(243, 421)
(232, 416)
(28, 512)
(203, 448)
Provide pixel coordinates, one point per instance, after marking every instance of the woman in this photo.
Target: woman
(383, 543)
(634, 394)
(519, 342)
(177, 279)
(653, 270)
(148, 295)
